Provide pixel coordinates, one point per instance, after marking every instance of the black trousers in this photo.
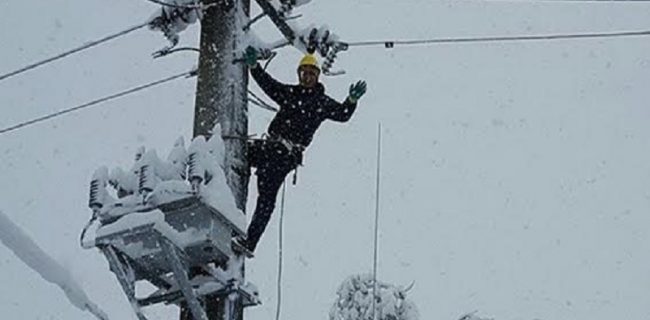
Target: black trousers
(273, 162)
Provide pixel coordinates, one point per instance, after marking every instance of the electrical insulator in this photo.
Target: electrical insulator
(97, 195)
(286, 6)
(312, 43)
(331, 58)
(178, 159)
(146, 179)
(139, 153)
(196, 170)
(147, 173)
(323, 44)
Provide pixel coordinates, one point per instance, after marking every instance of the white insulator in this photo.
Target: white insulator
(147, 173)
(196, 165)
(177, 158)
(139, 153)
(217, 149)
(98, 193)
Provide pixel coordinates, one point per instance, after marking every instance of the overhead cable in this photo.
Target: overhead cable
(195, 5)
(391, 43)
(626, 1)
(96, 102)
(75, 50)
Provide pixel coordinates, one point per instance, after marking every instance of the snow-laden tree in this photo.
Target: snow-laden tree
(355, 301)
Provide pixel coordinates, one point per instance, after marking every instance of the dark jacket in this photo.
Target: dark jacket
(302, 109)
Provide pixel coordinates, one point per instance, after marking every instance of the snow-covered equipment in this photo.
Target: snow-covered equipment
(306, 39)
(173, 18)
(166, 217)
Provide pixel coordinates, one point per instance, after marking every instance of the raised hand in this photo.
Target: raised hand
(250, 56)
(357, 90)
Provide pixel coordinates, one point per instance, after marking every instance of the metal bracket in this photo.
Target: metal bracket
(183, 281)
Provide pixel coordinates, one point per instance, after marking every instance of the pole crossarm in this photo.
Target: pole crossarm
(277, 19)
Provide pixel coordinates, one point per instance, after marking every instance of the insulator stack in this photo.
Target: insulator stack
(312, 42)
(323, 44)
(331, 58)
(97, 196)
(286, 7)
(146, 179)
(139, 153)
(95, 202)
(196, 171)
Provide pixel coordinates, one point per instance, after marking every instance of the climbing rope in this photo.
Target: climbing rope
(75, 50)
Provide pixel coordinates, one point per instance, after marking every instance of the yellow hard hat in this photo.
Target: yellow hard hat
(309, 60)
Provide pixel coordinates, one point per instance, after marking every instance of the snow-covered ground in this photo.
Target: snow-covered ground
(515, 176)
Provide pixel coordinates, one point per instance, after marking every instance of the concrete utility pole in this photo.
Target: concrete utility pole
(221, 94)
(221, 97)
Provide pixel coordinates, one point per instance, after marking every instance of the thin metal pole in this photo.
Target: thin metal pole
(374, 266)
(280, 235)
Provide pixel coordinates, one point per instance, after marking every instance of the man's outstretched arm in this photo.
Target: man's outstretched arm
(273, 88)
(342, 112)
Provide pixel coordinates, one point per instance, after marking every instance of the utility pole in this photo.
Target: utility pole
(221, 94)
(221, 98)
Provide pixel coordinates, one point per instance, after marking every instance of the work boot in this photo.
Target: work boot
(241, 246)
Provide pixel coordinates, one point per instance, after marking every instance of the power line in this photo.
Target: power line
(75, 50)
(392, 43)
(96, 102)
(374, 263)
(196, 5)
(626, 1)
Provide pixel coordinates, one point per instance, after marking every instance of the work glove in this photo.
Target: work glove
(250, 56)
(357, 90)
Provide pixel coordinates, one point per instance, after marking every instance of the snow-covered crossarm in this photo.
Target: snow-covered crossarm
(160, 218)
(310, 39)
(355, 301)
(174, 18)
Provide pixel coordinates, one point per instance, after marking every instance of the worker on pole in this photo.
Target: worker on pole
(303, 107)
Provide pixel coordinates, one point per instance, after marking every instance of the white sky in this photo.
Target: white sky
(514, 175)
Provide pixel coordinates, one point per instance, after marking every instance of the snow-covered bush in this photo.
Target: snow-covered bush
(473, 316)
(355, 301)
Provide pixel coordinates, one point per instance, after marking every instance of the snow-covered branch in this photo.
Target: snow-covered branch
(14, 238)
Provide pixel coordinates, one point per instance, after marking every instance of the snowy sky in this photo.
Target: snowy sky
(514, 174)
